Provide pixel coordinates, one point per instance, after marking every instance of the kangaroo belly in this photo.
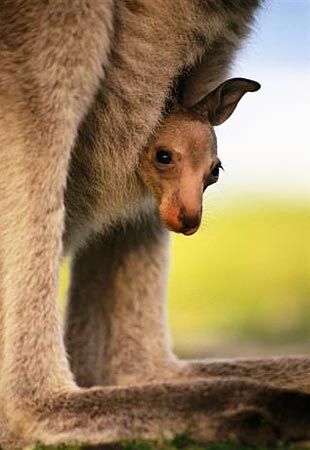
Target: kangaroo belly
(96, 205)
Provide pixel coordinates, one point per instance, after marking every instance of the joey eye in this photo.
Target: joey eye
(163, 156)
(216, 170)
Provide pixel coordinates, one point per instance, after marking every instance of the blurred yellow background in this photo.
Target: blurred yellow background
(242, 285)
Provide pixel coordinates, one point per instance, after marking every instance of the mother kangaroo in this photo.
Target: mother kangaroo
(83, 85)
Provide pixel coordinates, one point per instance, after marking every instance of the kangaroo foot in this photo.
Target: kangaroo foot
(211, 410)
(290, 372)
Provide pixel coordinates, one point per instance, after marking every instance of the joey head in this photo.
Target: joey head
(181, 160)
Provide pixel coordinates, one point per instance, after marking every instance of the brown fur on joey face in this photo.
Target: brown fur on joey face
(178, 167)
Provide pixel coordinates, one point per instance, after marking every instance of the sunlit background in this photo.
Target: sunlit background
(241, 285)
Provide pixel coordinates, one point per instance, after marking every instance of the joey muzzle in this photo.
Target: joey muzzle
(190, 222)
(180, 218)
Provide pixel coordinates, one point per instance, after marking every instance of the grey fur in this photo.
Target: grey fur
(97, 74)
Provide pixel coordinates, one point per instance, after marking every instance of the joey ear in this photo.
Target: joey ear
(218, 105)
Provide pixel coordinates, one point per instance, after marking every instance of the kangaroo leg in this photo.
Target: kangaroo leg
(33, 168)
(46, 86)
(226, 410)
(116, 329)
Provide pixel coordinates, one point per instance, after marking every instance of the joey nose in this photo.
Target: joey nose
(189, 222)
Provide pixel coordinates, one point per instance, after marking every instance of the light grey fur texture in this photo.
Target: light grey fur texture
(83, 84)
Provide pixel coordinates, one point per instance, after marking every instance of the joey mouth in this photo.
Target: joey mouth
(190, 232)
(179, 228)
(190, 225)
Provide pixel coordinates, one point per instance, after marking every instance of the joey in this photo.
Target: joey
(181, 161)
